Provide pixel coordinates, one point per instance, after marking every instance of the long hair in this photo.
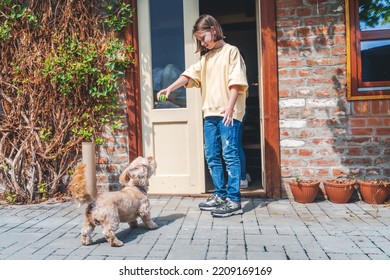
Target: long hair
(203, 23)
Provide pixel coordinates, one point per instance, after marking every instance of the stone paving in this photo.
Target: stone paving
(268, 230)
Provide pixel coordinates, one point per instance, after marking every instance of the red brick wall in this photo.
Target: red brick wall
(322, 134)
(113, 156)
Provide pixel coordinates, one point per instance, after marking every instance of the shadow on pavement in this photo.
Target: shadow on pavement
(127, 235)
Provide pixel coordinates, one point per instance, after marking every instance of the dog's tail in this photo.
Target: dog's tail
(78, 186)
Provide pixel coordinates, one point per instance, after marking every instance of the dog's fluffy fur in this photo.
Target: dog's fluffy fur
(111, 208)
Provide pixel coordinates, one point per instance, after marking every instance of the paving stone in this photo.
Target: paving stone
(187, 252)
(338, 256)
(266, 256)
(358, 257)
(317, 255)
(384, 246)
(216, 255)
(159, 252)
(236, 255)
(336, 245)
(378, 257)
(297, 256)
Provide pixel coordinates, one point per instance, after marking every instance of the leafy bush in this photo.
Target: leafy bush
(61, 64)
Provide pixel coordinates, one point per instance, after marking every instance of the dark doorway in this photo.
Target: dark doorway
(238, 20)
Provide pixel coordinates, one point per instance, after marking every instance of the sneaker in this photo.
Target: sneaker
(248, 178)
(211, 203)
(229, 208)
(244, 184)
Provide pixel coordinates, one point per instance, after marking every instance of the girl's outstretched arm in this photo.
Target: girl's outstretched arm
(181, 81)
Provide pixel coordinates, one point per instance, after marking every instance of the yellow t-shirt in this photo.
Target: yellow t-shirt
(215, 73)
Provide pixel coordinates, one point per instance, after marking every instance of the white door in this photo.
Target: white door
(172, 130)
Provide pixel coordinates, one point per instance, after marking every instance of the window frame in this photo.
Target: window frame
(354, 62)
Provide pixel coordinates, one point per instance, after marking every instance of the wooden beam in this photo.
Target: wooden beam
(270, 99)
(133, 96)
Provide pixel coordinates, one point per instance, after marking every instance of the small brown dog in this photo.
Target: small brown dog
(111, 208)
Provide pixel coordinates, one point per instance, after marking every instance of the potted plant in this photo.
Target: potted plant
(304, 191)
(374, 191)
(339, 190)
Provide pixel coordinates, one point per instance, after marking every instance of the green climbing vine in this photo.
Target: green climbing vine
(61, 67)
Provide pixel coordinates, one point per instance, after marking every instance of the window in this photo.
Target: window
(167, 35)
(368, 49)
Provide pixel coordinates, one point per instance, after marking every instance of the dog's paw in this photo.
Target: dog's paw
(86, 240)
(116, 243)
(151, 225)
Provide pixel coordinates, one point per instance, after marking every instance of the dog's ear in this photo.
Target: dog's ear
(124, 177)
(131, 171)
(152, 166)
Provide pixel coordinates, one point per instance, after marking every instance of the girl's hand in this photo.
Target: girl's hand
(227, 116)
(228, 111)
(181, 81)
(165, 92)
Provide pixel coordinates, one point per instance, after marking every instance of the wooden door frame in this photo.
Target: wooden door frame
(269, 89)
(270, 93)
(133, 89)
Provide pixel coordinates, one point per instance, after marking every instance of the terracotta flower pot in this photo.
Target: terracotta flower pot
(339, 190)
(304, 191)
(375, 191)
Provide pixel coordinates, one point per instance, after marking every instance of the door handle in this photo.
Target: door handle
(255, 84)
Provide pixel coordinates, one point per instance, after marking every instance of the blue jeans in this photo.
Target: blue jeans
(223, 139)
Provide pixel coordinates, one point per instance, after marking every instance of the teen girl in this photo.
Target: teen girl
(221, 75)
